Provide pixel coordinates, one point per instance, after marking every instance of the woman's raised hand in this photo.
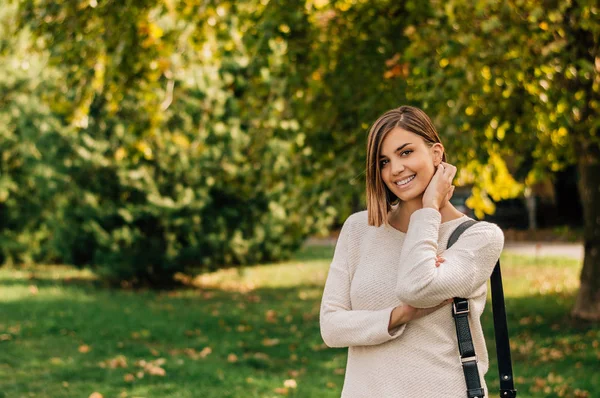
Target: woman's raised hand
(440, 188)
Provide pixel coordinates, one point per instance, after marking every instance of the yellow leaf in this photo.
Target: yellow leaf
(84, 348)
(320, 4)
(120, 154)
(96, 395)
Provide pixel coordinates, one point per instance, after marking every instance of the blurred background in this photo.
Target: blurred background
(173, 175)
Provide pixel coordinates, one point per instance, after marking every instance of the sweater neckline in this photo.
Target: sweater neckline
(464, 217)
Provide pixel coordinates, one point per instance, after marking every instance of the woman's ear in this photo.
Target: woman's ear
(437, 153)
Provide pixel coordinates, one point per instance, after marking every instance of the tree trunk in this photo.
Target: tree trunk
(587, 305)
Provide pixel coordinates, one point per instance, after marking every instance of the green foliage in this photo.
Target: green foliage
(510, 83)
(355, 70)
(29, 138)
(185, 155)
(166, 136)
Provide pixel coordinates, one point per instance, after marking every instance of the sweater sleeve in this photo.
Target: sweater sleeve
(341, 326)
(469, 262)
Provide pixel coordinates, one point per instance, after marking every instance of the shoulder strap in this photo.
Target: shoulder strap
(460, 312)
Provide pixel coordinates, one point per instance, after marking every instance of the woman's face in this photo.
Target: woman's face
(407, 164)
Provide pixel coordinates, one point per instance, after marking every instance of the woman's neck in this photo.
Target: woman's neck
(399, 217)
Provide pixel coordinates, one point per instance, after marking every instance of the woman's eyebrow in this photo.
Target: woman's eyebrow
(397, 149)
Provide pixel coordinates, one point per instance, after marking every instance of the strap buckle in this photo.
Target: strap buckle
(508, 393)
(469, 359)
(464, 308)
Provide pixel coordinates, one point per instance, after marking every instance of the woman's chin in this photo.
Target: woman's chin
(410, 195)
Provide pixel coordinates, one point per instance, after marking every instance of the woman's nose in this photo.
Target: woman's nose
(397, 167)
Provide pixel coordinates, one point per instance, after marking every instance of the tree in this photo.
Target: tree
(518, 80)
(30, 143)
(186, 152)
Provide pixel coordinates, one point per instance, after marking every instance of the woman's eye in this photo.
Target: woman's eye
(382, 163)
(409, 151)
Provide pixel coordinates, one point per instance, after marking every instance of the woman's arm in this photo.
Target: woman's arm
(341, 326)
(468, 263)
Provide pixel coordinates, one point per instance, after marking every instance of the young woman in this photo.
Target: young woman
(389, 287)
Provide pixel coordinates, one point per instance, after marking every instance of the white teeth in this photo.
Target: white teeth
(406, 181)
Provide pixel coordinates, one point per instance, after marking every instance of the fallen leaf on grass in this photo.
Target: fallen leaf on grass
(156, 371)
(581, 393)
(290, 383)
(117, 362)
(96, 395)
(261, 355)
(129, 377)
(84, 349)
(33, 289)
(271, 316)
(14, 329)
(293, 373)
(232, 358)
(282, 391)
(270, 342)
(205, 352)
(153, 368)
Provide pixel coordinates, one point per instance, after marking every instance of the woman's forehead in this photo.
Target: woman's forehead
(398, 137)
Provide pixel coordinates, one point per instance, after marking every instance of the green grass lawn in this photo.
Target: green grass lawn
(253, 333)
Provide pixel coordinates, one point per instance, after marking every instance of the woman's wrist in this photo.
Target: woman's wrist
(431, 205)
(397, 317)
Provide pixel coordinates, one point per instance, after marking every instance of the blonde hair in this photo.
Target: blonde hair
(379, 198)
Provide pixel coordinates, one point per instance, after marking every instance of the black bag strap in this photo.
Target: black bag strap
(466, 348)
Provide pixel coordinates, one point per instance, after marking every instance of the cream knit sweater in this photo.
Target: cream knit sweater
(374, 269)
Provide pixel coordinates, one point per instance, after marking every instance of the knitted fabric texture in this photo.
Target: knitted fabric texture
(375, 269)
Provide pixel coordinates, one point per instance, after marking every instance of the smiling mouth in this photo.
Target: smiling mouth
(406, 181)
